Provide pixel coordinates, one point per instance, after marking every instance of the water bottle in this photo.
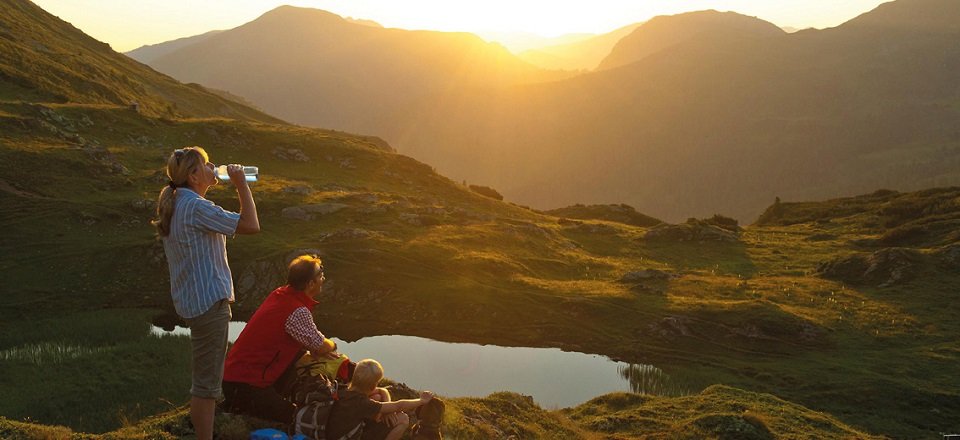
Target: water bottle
(251, 173)
(268, 434)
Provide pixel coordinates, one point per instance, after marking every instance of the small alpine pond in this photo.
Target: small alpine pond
(553, 377)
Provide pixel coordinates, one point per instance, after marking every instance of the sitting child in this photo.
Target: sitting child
(365, 406)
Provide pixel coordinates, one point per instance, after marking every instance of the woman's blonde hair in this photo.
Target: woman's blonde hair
(366, 376)
(180, 165)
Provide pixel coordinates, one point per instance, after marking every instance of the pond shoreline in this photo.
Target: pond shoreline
(554, 378)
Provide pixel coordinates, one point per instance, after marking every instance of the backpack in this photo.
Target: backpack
(340, 369)
(315, 395)
(430, 417)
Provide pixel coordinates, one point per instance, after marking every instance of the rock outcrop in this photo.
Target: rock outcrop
(291, 154)
(949, 257)
(882, 268)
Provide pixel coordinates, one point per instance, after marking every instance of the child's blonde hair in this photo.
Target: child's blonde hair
(366, 376)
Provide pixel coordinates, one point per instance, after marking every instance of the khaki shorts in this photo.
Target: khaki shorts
(208, 338)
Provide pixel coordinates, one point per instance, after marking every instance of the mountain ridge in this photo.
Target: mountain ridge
(580, 55)
(931, 15)
(350, 68)
(54, 59)
(815, 304)
(661, 32)
(147, 53)
(806, 114)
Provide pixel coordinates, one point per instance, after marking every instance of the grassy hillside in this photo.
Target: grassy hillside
(410, 252)
(822, 304)
(718, 412)
(47, 59)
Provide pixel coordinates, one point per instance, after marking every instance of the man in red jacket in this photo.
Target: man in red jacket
(259, 362)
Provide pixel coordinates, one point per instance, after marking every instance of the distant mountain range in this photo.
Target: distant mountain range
(584, 54)
(689, 115)
(517, 42)
(665, 32)
(320, 69)
(150, 52)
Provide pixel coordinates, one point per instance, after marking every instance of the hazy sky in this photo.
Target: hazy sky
(128, 24)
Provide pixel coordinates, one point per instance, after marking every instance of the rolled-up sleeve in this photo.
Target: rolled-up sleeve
(213, 218)
(301, 327)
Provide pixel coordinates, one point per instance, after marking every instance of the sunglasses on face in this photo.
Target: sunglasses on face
(319, 273)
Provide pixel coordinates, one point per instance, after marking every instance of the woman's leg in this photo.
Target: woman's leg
(208, 340)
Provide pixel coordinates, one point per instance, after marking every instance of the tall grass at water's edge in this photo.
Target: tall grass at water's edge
(95, 370)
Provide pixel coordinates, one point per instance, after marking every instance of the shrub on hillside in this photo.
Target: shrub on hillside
(486, 191)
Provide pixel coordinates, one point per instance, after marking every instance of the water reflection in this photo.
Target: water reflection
(554, 378)
(647, 379)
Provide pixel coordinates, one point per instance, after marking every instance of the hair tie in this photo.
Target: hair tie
(171, 185)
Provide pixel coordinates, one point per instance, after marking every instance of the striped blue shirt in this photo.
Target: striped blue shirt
(197, 253)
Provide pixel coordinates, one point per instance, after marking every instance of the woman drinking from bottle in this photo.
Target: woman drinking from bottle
(194, 231)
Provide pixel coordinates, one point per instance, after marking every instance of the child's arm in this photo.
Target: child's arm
(380, 395)
(406, 404)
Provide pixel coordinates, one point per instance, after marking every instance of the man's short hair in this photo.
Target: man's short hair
(303, 269)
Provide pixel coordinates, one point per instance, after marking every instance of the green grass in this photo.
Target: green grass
(718, 412)
(49, 60)
(92, 371)
(82, 273)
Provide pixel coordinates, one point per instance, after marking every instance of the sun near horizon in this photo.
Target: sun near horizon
(129, 25)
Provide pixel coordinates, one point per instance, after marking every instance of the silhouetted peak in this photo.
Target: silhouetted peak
(667, 31)
(921, 15)
(710, 20)
(364, 22)
(294, 15)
